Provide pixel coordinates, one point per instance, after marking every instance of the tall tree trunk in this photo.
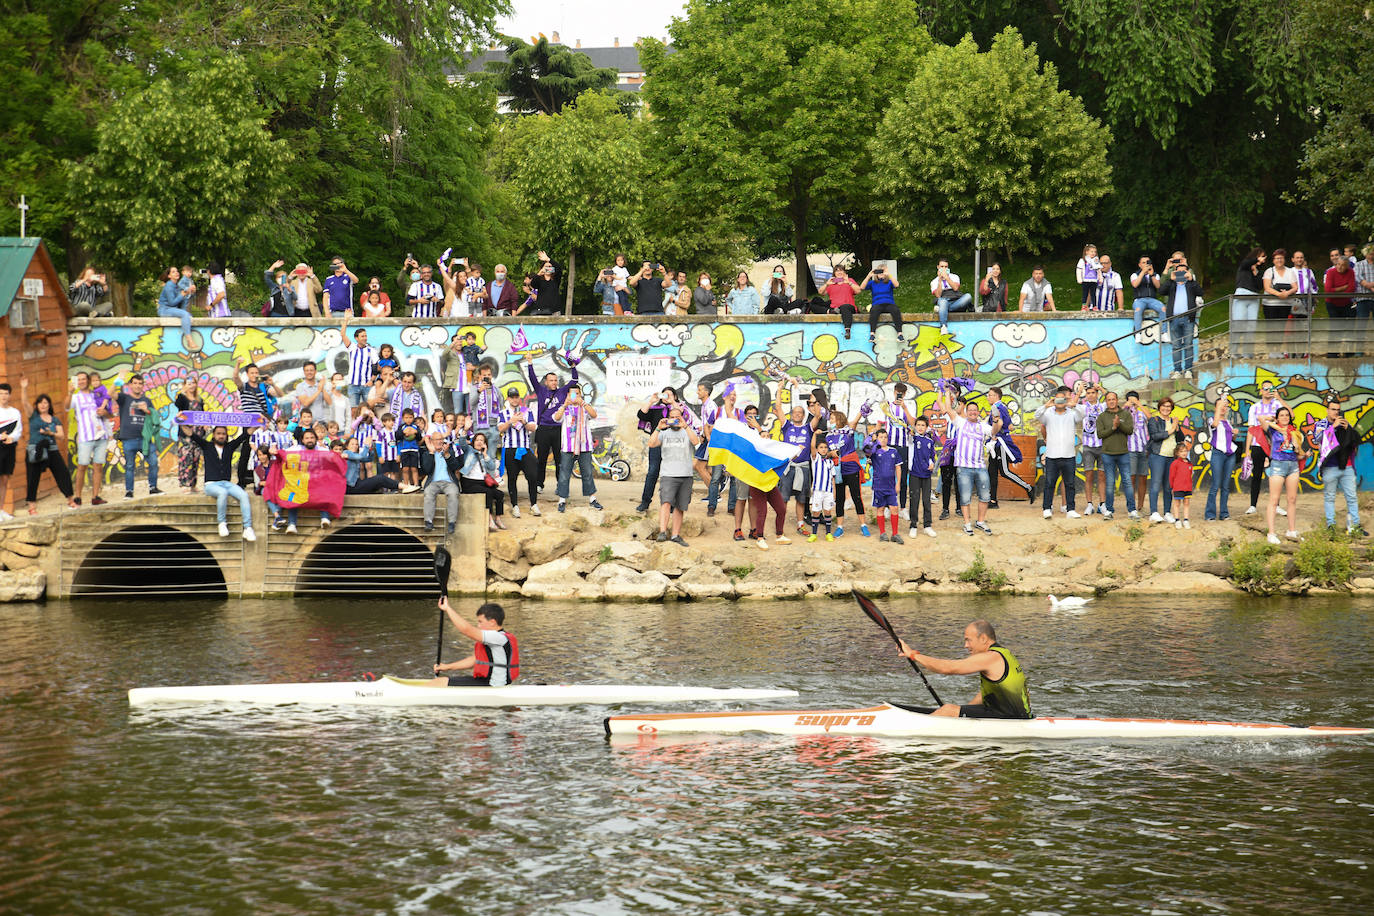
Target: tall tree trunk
(572, 277)
(121, 296)
(1196, 249)
(799, 210)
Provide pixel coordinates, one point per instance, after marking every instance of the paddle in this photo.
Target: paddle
(871, 609)
(443, 564)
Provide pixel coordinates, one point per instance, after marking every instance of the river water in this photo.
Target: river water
(105, 810)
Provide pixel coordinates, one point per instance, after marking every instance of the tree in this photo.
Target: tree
(575, 173)
(162, 185)
(760, 110)
(987, 143)
(544, 77)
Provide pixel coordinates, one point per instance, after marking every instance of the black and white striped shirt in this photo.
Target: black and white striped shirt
(360, 363)
(516, 436)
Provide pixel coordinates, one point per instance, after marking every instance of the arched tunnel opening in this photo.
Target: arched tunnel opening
(149, 561)
(368, 560)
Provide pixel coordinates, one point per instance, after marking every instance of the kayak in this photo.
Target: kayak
(396, 691)
(898, 721)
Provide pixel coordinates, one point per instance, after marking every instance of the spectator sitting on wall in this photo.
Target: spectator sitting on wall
(356, 457)
(840, 289)
(85, 295)
(309, 443)
(884, 291)
(481, 473)
(781, 294)
(218, 453)
(993, 289)
(174, 300)
(948, 295)
(743, 298)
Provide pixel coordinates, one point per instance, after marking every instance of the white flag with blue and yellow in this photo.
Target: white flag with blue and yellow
(747, 455)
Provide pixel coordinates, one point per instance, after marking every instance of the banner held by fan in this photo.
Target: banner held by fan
(308, 479)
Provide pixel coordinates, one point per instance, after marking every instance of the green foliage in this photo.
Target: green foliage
(544, 77)
(988, 580)
(986, 142)
(170, 165)
(1134, 533)
(739, 572)
(1327, 561)
(1259, 568)
(604, 555)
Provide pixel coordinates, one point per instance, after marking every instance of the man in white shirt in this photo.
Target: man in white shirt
(11, 431)
(1036, 293)
(425, 295)
(1109, 296)
(948, 298)
(1061, 418)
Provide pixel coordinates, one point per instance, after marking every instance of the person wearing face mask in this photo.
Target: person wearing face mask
(280, 290)
(702, 297)
(503, 293)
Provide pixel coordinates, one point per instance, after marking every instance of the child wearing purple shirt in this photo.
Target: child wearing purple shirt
(884, 461)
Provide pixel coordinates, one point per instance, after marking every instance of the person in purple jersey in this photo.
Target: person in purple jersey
(840, 438)
(549, 396)
(970, 434)
(887, 464)
(1002, 452)
(795, 483)
(921, 460)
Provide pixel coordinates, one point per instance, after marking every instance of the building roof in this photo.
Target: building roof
(15, 257)
(623, 59)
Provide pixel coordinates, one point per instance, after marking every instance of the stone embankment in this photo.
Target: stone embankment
(21, 556)
(612, 556)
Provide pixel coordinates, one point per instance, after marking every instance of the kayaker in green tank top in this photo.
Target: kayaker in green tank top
(1002, 692)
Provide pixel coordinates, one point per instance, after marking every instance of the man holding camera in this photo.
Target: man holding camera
(948, 297)
(1181, 291)
(1145, 288)
(338, 288)
(676, 441)
(88, 290)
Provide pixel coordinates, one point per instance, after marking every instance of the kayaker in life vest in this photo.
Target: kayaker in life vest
(1002, 692)
(495, 658)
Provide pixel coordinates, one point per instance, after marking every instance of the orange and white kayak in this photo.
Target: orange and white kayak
(898, 721)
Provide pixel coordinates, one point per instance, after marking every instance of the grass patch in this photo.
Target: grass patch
(739, 572)
(1111, 574)
(1325, 559)
(1221, 550)
(988, 580)
(1134, 533)
(1258, 568)
(1059, 551)
(604, 556)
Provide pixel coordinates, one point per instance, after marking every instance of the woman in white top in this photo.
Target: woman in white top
(1280, 283)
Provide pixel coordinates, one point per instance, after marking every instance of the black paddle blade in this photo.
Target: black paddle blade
(443, 565)
(871, 609)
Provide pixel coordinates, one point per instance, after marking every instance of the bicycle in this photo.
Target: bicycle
(608, 463)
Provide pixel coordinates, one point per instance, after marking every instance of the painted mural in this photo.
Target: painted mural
(621, 363)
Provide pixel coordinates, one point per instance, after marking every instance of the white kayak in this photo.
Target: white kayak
(396, 691)
(895, 721)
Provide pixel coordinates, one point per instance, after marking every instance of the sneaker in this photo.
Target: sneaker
(96, 501)
(408, 488)
(763, 543)
(1250, 511)
(783, 539)
(944, 330)
(839, 531)
(278, 523)
(863, 529)
(1187, 523)
(1108, 515)
(905, 514)
(930, 531)
(1356, 531)
(1048, 513)
(642, 507)
(846, 333)
(829, 536)
(291, 529)
(248, 535)
(897, 539)
(223, 530)
(534, 510)
(1169, 518)
(739, 535)
(76, 500)
(944, 515)
(429, 526)
(662, 536)
(452, 526)
(1156, 518)
(595, 505)
(872, 338)
(710, 513)
(679, 541)
(983, 527)
(911, 532)
(810, 539)
(1135, 515)
(1072, 514)
(514, 511)
(1090, 509)
(1274, 539)
(1281, 510)
(1178, 525)
(325, 521)
(562, 505)
(883, 538)
(994, 505)
(154, 492)
(968, 529)
(128, 494)
(1292, 535)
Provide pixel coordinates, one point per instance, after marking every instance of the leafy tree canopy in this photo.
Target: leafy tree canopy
(544, 77)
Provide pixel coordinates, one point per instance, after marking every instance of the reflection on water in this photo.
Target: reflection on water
(108, 810)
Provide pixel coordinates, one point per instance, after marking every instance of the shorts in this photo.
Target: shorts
(410, 458)
(389, 467)
(822, 501)
(1281, 468)
(7, 458)
(884, 499)
(971, 479)
(1092, 458)
(91, 451)
(676, 492)
(467, 680)
(1139, 464)
(1182, 494)
(979, 711)
(700, 453)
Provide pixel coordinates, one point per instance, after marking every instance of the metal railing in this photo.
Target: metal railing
(1248, 333)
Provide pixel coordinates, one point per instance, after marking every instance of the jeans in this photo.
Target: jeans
(1057, 469)
(945, 306)
(167, 311)
(884, 308)
(432, 491)
(713, 488)
(1364, 308)
(221, 490)
(1344, 480)
(1114, 466)
(651, 477)
(1244, 313)
(1140, 305)
(293, 513)
(1181, 333)
(971, 479)
(132, 449)
(357, 396)
(1159, 480)
(1222, 466)
(565, 466)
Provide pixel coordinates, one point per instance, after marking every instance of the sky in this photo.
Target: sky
(596, 22)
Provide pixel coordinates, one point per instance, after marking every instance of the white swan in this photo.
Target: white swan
(1068, 602)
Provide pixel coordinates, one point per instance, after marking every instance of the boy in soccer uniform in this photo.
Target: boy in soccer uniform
(921, 460)
(822, 490)
(408, 435)
(885, 462)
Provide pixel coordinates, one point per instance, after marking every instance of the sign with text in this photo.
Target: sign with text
(636, 377)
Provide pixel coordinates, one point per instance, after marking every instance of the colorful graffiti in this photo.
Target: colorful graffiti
(617, 361)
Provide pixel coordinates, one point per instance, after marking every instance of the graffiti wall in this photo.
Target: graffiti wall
(620, 364)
